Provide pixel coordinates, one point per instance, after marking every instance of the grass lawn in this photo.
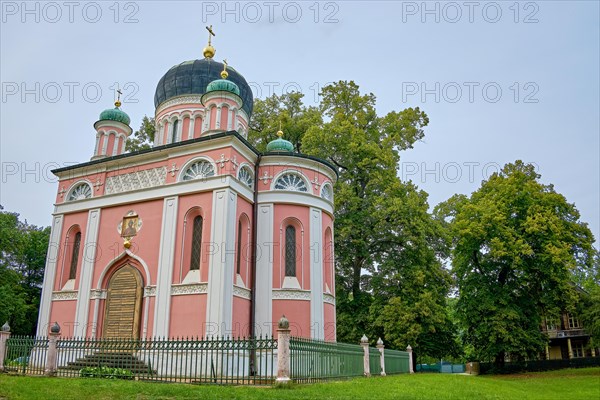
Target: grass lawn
(564, 384)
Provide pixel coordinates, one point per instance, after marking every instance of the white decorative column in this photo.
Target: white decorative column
(190, 134)
(264, 270)
(105, 144)
(219, 303)
(283, 351)
(364, 342)
(410, 359)
(381, 349)
(218, 121)
(49, 275)
(317, 320)
(166, 253)
(116, 145)
(169, 132)
(86, 273)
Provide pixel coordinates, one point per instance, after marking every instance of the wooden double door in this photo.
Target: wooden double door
(123, 305)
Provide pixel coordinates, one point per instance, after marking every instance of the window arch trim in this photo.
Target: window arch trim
(295, 173)
(193, 161)
(76, 185)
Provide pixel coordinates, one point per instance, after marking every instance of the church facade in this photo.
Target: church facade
(201, 234)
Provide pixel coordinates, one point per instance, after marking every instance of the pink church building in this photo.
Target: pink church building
(200, 235)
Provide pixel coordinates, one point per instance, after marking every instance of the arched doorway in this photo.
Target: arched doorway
(123, 304)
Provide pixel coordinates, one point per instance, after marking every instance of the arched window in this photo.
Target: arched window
(291, 182)
(174, 132)
(327, 192)
(198, 170)
(238, 267)
(80, 192)
(290, 251)
(246, 176)
(196, 243)
(75, 256)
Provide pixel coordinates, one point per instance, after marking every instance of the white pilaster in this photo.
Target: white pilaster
(49, 275)
(87, 272)
(116, 145)
(190, 134)
(218, 121)
(221, 264)
(263, 286)
(169, 132)
(105, 144)
(165, 267)
(317, 320)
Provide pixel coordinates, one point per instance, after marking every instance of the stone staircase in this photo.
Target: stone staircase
(112, 360)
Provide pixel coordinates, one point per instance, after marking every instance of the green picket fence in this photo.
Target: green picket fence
(396, 362)
(316, 359)
(214, 360)
(26, 354)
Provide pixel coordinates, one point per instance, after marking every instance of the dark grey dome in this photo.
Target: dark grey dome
(192, 77)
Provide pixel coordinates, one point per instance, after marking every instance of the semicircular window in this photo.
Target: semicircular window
(327, 192)
(198, 170)
(80, 192)
(291, 182)
(246, 176)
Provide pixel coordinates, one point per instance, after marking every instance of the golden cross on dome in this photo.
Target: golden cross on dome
(210, 33)
(224, 73)
(118, 102)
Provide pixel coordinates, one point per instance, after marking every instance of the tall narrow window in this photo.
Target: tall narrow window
(196, 243)
(239, 249)
(75, 255)
(174, 132)
(290, 251)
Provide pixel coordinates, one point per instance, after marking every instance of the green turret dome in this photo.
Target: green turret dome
(223, 85)
(115, 114)
(280, 144)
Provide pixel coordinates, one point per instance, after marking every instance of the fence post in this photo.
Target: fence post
(283, 351)
(364, 342)
(4, 335)
(381, 347)
(410, 359)
(51, 358)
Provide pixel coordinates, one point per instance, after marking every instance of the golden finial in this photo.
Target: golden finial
(118, 102)
(280, 132)
(224, 73)
(209, 51)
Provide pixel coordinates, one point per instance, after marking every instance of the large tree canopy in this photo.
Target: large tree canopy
(22, 259)
(518, 246)
(389, 279)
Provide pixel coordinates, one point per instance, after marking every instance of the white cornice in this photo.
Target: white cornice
(299, 198)
(184, 99)
(139, 195)
(291, 162)
(139, 160)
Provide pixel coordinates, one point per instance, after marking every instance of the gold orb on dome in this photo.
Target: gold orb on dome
(209, 51)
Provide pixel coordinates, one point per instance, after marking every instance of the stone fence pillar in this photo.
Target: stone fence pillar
(4, 335)
(364, 342)
(283, 351)
(51, 357)
(410, 359)
(381, 347)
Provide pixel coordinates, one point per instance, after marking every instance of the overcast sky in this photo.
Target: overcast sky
(500, 81)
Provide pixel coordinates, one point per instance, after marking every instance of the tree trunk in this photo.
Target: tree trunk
(499, 360)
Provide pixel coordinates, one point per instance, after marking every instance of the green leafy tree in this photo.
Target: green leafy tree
(23, 250)
(384, 233)
(517, 244)
(142, 138)
(287, 111)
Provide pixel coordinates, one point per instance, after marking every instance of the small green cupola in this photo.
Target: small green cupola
(222, 85)
(115, 114)
(280, 144)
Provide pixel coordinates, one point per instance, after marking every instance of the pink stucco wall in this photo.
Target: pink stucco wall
(188, 315)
